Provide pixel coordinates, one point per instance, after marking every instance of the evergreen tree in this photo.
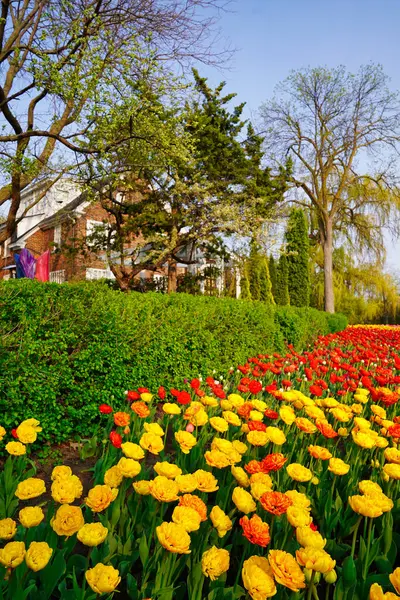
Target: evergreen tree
(245, 293)
(272, 275)
(265, 282)
(297, 247)
(282, 291)
(199, 183)
(254, 271)
(260, 283)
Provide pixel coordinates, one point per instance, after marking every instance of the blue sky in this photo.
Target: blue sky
(273, 37)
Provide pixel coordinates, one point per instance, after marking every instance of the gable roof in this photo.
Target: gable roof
(56, 218)
(64, 212)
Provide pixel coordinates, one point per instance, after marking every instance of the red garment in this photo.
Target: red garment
(43, 267)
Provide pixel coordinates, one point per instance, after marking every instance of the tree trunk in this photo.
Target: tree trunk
(12, 212)
(172, 276)
(328, 268)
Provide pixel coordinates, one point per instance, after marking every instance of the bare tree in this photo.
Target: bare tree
(330, 122)
(61, 64)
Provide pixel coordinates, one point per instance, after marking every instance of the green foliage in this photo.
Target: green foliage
(297, 248)
(245, 291)
(254, 271)
(265, 282)
(336, 321)
(272, 275)
(68, 348)
(365, 293)
(199, 184)
(282, 289)
(260, 284)
(299, 325)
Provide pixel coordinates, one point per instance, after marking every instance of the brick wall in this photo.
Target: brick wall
(73, 233)
(38, 242)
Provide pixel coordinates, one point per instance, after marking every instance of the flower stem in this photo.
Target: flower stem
(365, 567)
(353, 545)
(311, 586)
(271, 528)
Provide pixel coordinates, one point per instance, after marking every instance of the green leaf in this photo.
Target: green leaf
(77, 562)
(131, 587)
(51, 575)
(392, 554)
(383, 565)
(143, 550)
(363, 549)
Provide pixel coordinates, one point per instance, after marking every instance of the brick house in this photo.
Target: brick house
(64, 216)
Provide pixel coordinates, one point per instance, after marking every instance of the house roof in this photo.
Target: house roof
(56, 218)
(15, 243)
(64, 212)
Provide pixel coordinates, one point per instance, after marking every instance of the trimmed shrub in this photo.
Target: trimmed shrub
(336, 322)
(67, 348)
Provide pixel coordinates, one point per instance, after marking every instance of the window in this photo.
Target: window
(99, 274)
(160, 282)
(57, 276)
(57, 234)
(94, 227)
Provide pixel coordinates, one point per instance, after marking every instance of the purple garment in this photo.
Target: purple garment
(28, 263)
(20, 271)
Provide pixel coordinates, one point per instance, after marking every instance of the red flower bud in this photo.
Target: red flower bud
(105, 409)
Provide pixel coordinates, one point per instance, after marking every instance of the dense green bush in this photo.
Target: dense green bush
(300, 326)
(67, 348)
(336, 322)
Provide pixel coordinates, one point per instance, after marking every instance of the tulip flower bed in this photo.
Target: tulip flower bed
(281, 480)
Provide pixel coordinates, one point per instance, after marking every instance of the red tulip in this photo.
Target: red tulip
(116, 439)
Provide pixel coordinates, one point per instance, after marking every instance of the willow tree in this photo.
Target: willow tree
(61, 67)
(330, 122)
(364, 291)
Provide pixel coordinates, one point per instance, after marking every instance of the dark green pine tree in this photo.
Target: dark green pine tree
(282, 290)
(265, 282)
(272, 275)
(297, 248)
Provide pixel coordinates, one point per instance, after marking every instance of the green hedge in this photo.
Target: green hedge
(67, 348)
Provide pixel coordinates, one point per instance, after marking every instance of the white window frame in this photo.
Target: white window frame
(57, 234)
